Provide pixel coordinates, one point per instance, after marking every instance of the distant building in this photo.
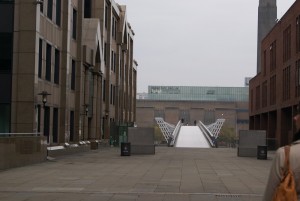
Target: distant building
(247, 80)
(191, 103)
(267, 16)
(142, 95)
(80, 53)
(275, 90)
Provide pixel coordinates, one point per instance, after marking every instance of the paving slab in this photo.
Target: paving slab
(175, 174)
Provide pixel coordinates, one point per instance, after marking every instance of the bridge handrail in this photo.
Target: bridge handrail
(208, 135)
(175, 132)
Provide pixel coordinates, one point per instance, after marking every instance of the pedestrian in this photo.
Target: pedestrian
(277, 167)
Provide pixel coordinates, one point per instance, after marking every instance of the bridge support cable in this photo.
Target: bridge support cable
(166, 128)
(216, 127)
(212, 131)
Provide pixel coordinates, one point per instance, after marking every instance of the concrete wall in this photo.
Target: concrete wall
(249, 140)
(21, 151)
(141, 140)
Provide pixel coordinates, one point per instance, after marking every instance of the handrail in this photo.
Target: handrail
(175, 133)
(208, 135)
(170, 132)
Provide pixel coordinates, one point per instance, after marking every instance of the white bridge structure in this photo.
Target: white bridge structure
(200, 135)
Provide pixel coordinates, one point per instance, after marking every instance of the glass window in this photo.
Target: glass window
(38, 118)
(74, 34)
(50, 9)
(56, 66)
(48, 62)
(298, 34)
(58, 12)
(7, 13)
(73, 75)
(55, 125)
(71, 126)
(4, 118)
(87, 8)
(41, 7)
(6, 52)
(40, 58)
(47, 122)
(104, 90)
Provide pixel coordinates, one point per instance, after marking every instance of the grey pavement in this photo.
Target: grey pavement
(172, 174)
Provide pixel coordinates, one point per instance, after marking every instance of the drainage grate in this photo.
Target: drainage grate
(228, 195)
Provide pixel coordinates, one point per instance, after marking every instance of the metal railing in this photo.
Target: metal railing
(215, 128)
(175, 133)
(170, 132)
(208, 135)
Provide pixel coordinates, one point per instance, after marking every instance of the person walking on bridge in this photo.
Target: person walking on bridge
(277, 167)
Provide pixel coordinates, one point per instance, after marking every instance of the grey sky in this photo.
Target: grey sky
(195, 42)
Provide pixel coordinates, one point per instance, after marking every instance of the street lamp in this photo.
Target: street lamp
(85, 113)
(106, 114)
(44, 95)
(86, 109)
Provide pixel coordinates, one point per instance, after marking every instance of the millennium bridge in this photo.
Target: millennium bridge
(197, 135)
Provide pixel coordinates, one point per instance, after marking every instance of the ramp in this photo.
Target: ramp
(191, 136)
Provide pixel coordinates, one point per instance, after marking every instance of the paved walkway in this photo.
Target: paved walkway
(172, 174)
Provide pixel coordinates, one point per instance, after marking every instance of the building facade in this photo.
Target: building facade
(207, 104)
(275, 90)
(67, 67)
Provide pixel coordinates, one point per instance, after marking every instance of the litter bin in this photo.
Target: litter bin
(125, 149)
(262, 152)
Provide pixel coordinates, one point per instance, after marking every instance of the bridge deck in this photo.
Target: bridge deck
(191, 136)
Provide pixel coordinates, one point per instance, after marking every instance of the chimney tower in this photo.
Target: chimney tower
(267, 16)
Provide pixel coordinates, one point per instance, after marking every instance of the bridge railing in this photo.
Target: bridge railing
(208, 135)
(175, 133)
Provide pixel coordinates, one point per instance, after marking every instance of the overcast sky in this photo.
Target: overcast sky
(195, 42)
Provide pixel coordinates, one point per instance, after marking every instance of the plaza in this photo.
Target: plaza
(177, 174)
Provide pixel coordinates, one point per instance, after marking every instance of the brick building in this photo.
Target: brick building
(80, 53)
(275, 90)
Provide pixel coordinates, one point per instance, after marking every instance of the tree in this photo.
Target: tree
(158, 136)
(226, 136)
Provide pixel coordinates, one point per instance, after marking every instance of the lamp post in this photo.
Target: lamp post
(44, 95)
(105, 126)
(86, 111)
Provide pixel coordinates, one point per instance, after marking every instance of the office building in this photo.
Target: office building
(67, 68)
(275, 90)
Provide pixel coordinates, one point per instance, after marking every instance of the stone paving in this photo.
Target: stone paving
(172, 174)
